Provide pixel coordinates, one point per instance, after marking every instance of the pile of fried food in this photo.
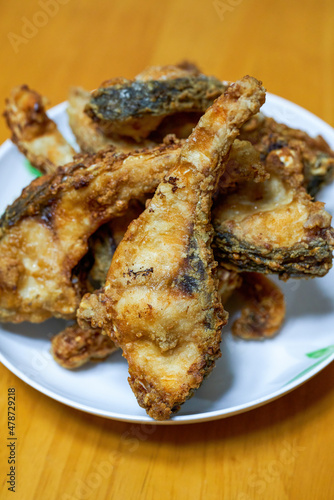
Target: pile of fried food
(183, 196)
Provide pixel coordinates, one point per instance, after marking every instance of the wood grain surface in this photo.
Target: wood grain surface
(284, 450)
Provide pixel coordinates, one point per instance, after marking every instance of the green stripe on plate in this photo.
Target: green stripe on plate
(31, 169)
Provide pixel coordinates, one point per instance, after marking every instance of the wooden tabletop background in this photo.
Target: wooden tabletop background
(283, 450)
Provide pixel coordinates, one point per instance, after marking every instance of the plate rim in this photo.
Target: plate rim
(177, 419)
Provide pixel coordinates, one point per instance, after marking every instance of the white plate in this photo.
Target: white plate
(248, 374)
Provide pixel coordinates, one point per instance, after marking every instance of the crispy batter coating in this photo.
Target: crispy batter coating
(263, 311)
(160, 301)
(243, 165)
(44, 233)
(274, 226)
(34, 133)
(75, 346)
(314, 152)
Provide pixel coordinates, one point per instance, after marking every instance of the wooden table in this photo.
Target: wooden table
(284, 450)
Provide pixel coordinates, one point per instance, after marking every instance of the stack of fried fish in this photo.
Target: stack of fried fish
(182, 197)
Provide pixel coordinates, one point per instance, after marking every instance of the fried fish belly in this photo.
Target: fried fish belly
(316, 155)
(274, 226)
(45, 232)
(160, 302)
(34, 133)
(136, 107)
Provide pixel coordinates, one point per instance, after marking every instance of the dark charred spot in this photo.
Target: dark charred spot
(276, 145)
(173, 181)
(208, 322)
(188, 284)
(80, 183)
(144, 272)
(193, 276)
(47, 215)
(272, 146)
(159, 193)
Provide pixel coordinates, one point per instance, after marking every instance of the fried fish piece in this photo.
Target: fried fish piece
(88, 134)
(91, 138)
(316, 155)
(136, 107)
(34, 133)
(160, 301)
(75, 346)
(274, 226)
(263, 311)
(45, 232)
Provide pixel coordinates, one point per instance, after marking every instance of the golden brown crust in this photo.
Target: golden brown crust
(34, 133)
(243, 165)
